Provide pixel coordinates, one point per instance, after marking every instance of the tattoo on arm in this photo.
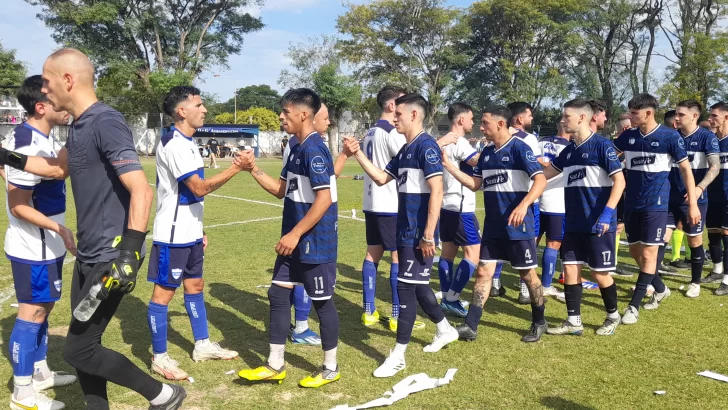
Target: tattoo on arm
(535, 289)
(259, 172)
(713, 171)
(39, 313)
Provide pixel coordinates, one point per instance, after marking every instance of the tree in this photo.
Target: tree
(255, 96)
(130, 39)
(412, 43)
(225, 118)
(12, 71)
(267, 120)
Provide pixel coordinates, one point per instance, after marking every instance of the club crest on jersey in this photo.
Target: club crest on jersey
(486, 158)
(655, 144)
(585, 155)
(431, 156)
(631, 141)
(506, 159)
(409, 156)
(402, 179)
(692, 144)
(639, 161)
(176, 273)
(293, 185)
(318, 165)
(57, 284)
(530, 156)
(577, 175)
(495, 180)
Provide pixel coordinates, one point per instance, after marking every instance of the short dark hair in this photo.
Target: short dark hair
(414, 99)
(517, 108)
(720, 105)
(456, 109)
(387, 93)
(598, 105)
(176, 95)
(669, 116)
(29, 93)
(499, 111)
(302, 96)
(580, 104)
(642, 101)
(691, 104)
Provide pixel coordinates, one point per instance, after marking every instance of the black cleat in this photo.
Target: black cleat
(496, 292)
(680, 264)
(466, 333)
(535, 332)
(175, 402)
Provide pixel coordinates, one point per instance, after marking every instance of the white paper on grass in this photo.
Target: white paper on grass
(410, 384)
(714, 376)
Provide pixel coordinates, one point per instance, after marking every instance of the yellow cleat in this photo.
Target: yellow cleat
(321, 377)
(393, 324)
(264, 373)
(370, 320)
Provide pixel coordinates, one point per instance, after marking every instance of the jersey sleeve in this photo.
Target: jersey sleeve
(116, 144)
(22, 179)
(619, 142)
(711, 145)
(463, 150)
(528, 161)
(677, 148)
(609, 160)
(393, 167)
(395, 142)
(319, 167)
(181, 160)
(559, 162)
(430, 159)
(478, 168)
(532, 143)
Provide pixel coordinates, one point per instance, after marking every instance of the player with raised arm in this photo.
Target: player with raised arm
(308, 246)
(179, 241)
(650, 150)
(716, 220)
(594, 184)
(35, 243)
(505, 170)
(417, 169)
(703, 155)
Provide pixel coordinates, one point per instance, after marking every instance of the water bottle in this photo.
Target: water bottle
(88, 305)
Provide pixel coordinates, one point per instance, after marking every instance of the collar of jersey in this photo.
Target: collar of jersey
(181, 133)
(308, 137)
(26, 125)
(583, 142)
(691, 134)
(506, 143)
(651, 132)
(418, 136)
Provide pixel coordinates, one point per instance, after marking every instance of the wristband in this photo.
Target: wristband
(132, 240)
(427, 240)
(13, 159)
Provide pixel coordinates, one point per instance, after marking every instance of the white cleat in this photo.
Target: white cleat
(656, 299)
(693, 290)
(57, 379)
(212, 351)
(631, 315)
(441, 340)
(37, 401)
(168, 368)
(552, 291)
(391, 366)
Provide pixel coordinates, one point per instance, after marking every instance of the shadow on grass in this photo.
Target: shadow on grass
(563, 404)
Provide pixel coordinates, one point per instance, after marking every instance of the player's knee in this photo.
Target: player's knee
(484, 271)
(553, 244)
(162, 295)
(279, 295)
(194, 285)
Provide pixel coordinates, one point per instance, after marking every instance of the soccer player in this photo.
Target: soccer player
(650, 151)
(458, 223)
(717, 218)
(214, 148)
(505, 170)
(520, 123)
(703, 154)
(179, 246)
(417, 168)
(35, 243)
(669, 119)
(623, 124)
(594, 184)
(380, 204)
(552, 209)
(308, 247)
(113, 200)
(677, 236)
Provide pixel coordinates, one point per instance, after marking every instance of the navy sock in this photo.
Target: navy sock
(609, 296)
(548, 266)
(22, 344)
(428, 302)
(369, 281)
(660, 255)
(280, 314)
(301, 303)
(462, 276)
(41, 350)
(697, 258)
(573, 295)
(393, 274)
(329, 323)
(157, 321)
(725, 252)
(444, 270)
(407, 311)
(658, 284)
(643, 280)
(473, 317)
(197, 312)
(715, 247)
(538, 314)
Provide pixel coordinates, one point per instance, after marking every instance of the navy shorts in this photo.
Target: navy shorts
(318, 280)
(536, 219)
(645, 227)
(597, 252)
(36, 283)
(381, 230)
(679, 213)
(521, 254)
(170, 265)
(413, 267)
(461, 229)
(717, 216)
(553, 225)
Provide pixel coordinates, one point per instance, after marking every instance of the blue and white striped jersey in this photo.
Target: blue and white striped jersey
(506, 178)
(648, 160)
(718, 190)
(587, 170)
(415, 163)
(700, 144)
(552, 199)
(309, 169)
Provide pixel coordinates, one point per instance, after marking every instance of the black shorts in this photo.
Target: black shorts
(620, 210)
(521, 254)
(170, 265)
(679, 213)
(717, 215)
(215, 151)
(413, 267)
(597, 252)
(318, 280)
(381, 230)
(552, 225)
(645, 227)
(459, 228)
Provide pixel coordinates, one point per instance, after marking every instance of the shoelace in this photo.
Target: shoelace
(42, 398)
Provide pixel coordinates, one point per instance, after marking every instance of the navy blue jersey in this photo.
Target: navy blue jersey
(506, 177)
(700, 144)
(415, 163)
(648, 160)
(718, 190)
(587, 170)
(309, 169)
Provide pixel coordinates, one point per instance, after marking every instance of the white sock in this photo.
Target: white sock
(399, 350)
(275, 358)
(22, 387)
(301, 326)
(452, 296)
(613, 315)
(443, 326)
(718, 267)
(330, 359)
(524, 289)
(163, 397)
(725, 279)
(575, 320)
(42, 371)
(202, 342)
(496, 283)
(158, 356)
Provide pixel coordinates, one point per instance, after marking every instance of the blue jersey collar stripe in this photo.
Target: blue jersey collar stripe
(32, 128)
(651, 132)
(505, 144)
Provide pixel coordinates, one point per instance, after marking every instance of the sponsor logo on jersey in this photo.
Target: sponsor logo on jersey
(576, 175)
(585, 155)
(431, 156)
(724, 159)
(714, 144)
(693, 143)
(639, 161)
(402, 179)
(292, 185)
(529, 156)
(318, 164)
(506, 159)
(655, 144)
(681, 143)
(611, 154)
(495, 180)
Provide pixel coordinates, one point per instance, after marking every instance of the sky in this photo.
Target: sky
(260, 61)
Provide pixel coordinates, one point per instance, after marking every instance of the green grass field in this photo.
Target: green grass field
(664, 351)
